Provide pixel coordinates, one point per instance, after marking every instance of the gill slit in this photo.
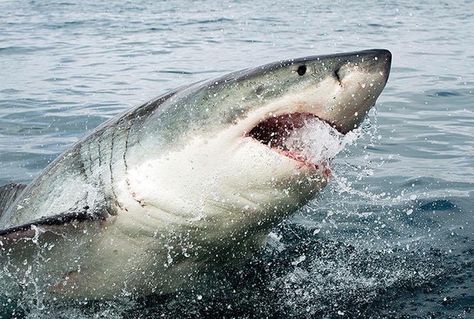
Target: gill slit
(127, 180)
(112, 180)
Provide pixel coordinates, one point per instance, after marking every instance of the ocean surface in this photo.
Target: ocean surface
(392, 236)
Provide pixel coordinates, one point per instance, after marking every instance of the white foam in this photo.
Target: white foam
(317, 141)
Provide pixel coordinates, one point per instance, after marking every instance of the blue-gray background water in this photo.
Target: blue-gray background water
(392, 236)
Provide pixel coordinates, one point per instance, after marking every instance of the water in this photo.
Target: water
(392, 236)
(317, 141)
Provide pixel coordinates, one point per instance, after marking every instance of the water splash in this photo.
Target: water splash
(317, 141)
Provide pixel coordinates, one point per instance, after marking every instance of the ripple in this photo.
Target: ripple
(445, 94)
(440, 204)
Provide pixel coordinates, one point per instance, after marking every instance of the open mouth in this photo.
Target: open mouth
(291, 135)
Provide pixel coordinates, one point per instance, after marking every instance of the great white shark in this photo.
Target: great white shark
(184, 184)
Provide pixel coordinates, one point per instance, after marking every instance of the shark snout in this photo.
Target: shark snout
(370, 61)
(379, 60)
(360, 78)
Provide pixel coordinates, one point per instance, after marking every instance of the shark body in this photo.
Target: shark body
(188, 182)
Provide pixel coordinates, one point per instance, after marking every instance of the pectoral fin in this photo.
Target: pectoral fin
(29, 230)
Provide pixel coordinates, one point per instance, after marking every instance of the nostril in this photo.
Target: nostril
(337, 74)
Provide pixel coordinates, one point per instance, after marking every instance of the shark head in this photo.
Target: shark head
(217, 150)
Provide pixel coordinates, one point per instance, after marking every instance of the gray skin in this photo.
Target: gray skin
(96, 213)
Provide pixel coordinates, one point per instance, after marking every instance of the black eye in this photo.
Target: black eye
(301, 70)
